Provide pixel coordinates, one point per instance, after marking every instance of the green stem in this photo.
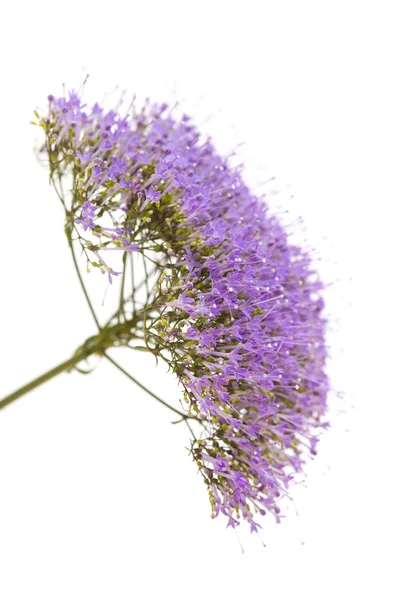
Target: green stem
(181, 414)
(121, 299)
(83, 286)
(65, 366)
(96, 344)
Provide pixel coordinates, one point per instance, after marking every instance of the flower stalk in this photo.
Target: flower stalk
(63, 367)
(97, 344)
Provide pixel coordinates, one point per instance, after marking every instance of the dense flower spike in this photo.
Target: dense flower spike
(235, 308)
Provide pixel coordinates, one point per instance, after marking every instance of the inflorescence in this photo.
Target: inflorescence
(234, 308)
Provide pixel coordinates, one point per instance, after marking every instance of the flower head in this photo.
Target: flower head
(235, 310)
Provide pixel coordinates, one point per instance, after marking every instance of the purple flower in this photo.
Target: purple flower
(151, 195)
(236, 310)
(88, 214)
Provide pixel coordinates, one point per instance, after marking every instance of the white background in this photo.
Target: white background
(98, 496)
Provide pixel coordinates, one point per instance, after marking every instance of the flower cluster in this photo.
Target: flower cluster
(235, 309)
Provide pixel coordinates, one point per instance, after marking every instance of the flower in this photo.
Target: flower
(88, 214)
(236, 309)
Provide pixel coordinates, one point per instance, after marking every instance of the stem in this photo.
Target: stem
(61, 368)
(83, 286)
(96, 344)
(133, 281)
(181, 414)
(146, 278)
(121, 299)
(68, 231)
